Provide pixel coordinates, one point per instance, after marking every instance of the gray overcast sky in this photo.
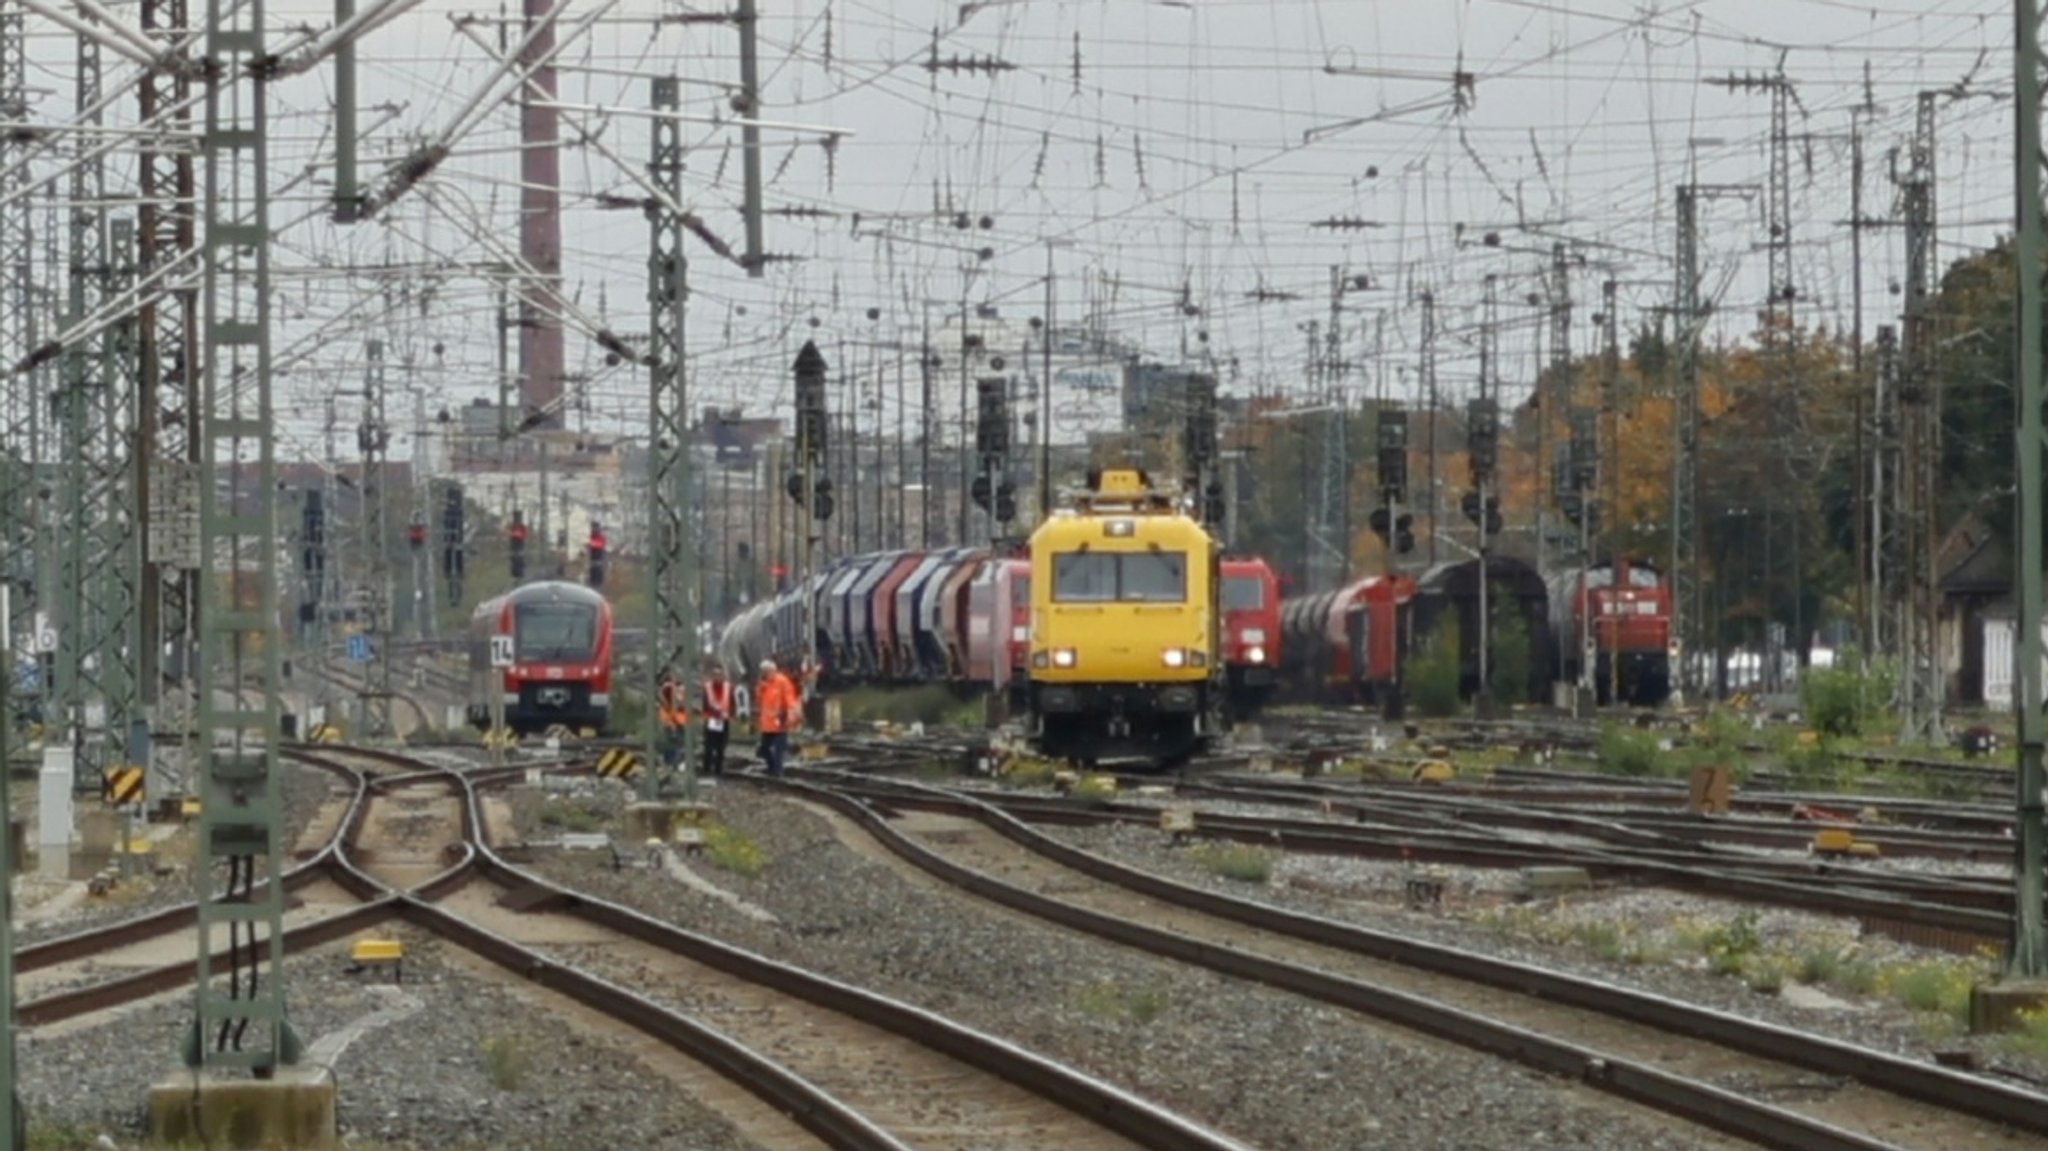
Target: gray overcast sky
(1165, 145)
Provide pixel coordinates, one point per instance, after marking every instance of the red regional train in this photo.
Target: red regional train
(959, 616)
(545, 649)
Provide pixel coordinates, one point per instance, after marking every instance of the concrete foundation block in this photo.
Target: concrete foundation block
(645, 821)
(1549, 882)
(1997, 1007)
(293, 1109)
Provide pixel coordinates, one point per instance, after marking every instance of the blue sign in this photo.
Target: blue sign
(359, 648)
(29, 675)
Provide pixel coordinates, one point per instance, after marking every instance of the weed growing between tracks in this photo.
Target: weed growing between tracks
(1744, 947)
(735, 851)
(506, 1058)
(570, 815)
(2032, 1037)
(1236, 861)
(1108, 999)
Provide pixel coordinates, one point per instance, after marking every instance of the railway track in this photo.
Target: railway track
(1543, 1020)
(411, 845)
(1649, 846)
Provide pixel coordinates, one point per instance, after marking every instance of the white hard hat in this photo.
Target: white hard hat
(767, 665)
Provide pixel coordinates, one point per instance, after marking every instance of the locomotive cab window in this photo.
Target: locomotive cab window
(1153, 577)
(1243, 593)
(1129, 577)
(1084, 577)
(556, 632)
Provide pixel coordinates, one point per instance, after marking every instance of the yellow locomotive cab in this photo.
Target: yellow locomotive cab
(1124, 626)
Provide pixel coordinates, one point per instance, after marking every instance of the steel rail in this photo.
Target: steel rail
(1938, 1086)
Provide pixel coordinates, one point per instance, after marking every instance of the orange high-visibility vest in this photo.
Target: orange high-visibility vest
(674, 711)
(718, 699)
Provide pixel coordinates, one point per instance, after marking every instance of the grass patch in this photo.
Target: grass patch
(1936, 988)
(2031, 1039)
(1627, 750)
(1606, 941)
(1237, 861)
(506, 1060)
(1029, 771)
(61, 1137)
(732, 849)
(569, 815)
(931, 705)
(1108, 999)
(1095, 787)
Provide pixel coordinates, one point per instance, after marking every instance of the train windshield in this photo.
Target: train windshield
(1129, 577)
(556, 632)
(1243, 593)
(1084, 577)
(1153, 577)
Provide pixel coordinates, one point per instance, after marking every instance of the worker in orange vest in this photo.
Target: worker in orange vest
(675, 716)
(778, 709)
(717, 719)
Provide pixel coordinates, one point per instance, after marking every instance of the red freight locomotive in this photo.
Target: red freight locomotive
(1622, 623)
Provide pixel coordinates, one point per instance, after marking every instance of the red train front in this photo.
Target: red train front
(1251, 632)
(1624, 622)
(556, 638)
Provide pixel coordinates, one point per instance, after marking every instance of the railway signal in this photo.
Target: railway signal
(515, 545)
(597, 549)
(452, 532)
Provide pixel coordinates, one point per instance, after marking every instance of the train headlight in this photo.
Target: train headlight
(1198, 658)
(1255, 654)
(1064, 657)
(1038, 659)
(1175, 656)
(1255, 635)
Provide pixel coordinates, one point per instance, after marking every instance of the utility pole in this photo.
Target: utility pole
(540, 224)
(241, 800)
(1045, 396)
(675, 648)
(1429, 398)
(1919, 405)
(2027, 955)
(1689, 631)
(1481, 505)
(1332, 519)
(373, 438)
(807, 485)
(927, 363)
(1610, 400)
(1868, 491)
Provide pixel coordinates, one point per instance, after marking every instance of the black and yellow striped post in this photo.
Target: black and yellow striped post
(618, 763)
(121, 786)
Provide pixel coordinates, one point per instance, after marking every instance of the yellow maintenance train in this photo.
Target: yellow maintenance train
(1125, 653)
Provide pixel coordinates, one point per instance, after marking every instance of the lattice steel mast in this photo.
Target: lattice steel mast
(77, 681)
(168, 334)
(1919, 406)
(668, 450)
(241, 802)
